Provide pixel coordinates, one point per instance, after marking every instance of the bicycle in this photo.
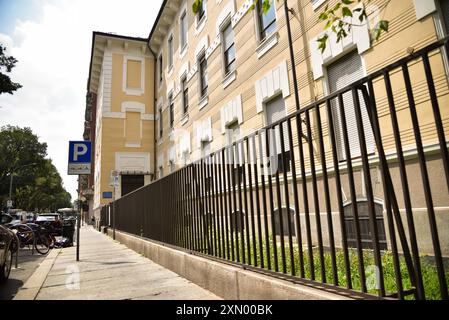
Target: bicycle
(31, 234)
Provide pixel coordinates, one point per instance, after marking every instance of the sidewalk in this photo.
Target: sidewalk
(107, 270)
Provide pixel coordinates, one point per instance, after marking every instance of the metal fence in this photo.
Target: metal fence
(329, 195)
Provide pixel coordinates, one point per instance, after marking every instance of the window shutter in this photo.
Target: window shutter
(341, 74)
(275, 112)
(424, 7)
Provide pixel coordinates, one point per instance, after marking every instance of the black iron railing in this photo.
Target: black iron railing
(349, 192)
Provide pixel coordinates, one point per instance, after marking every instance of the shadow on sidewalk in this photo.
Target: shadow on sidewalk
(28, 263)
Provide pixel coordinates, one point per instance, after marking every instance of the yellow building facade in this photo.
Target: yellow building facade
(121, 78)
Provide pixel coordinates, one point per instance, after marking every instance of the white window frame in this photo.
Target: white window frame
(198, 57)
(317, 3)
(199, 24)
(226, 23)
(170, 52)
(264, 45)
(160, 67)
(183, 47)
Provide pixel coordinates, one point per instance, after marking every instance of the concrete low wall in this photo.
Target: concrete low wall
(228, 282)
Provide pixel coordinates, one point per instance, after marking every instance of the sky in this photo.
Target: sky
(52, 41)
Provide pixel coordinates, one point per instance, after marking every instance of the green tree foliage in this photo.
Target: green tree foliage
(339, 20)
(7, 63)
(37, 184)
(336, 18)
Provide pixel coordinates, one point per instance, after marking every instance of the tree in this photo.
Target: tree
(7, 63)
(36, 182)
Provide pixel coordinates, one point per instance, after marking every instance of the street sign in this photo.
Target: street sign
(9, 203)
(107, 195)
(114, 179)
(80, 157)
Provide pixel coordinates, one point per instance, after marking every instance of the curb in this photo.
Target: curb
(31, 288)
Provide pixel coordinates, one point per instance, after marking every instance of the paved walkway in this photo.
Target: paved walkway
(107, 270)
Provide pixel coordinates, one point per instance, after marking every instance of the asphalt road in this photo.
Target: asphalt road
(28, 263)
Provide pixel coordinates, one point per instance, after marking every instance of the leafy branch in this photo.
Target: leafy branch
(339, 19)
(7, 63)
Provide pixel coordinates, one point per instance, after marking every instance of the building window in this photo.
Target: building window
(183, 30)
(233, 132)
(160, 69)
(267, 20)
(228, 48)
(340, 74)
(172, 166)
(171, 106)
(160, 124)
(185, 95)
(444, 10)
(170, 51)
(185, 158)
(201, 10)
(275, 110)
(202, 68)
(205, 153)
(232, 136)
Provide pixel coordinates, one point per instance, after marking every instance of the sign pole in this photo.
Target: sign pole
(78, 233)
(113, 214)
(80, 158)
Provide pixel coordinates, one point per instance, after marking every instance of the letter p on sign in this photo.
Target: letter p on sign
(80, 150)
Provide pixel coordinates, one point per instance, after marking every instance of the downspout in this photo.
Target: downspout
(292, 55)
(154, 110)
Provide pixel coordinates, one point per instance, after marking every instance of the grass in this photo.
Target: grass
(429, 271)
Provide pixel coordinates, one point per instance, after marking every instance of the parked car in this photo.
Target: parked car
(52, 220)
(7, 248)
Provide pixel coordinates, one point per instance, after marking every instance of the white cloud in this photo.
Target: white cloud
(54, 55)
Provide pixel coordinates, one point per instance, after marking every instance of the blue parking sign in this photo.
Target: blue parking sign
(80, 157)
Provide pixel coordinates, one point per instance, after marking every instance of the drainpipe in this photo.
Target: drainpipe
(292, 54)
(154, 110)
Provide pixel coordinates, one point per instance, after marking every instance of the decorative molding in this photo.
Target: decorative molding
(275, 81)
(424, 7)
(133, 145)
(107, 81)
(203, 102)
(114, 115)
(171, 154)
(267, 44)
(204, 131)
(213, 46)
(183, 71)
(133, 91)
(227, 12)
(316, 4)
(132, 161)
(241, 12)
(229, 78)
(133, 107)
(184, 119)
(203, 44)
(231, 112)
(358, 36)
